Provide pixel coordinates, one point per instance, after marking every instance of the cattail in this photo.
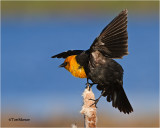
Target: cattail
(89, 108)
(74, 126)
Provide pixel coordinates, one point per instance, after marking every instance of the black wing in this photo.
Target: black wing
(67, 53)
(113, 40)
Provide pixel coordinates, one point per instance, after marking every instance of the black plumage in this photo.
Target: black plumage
(67, 53)
(99, 65)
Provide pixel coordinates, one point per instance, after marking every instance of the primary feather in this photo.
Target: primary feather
(113, 40)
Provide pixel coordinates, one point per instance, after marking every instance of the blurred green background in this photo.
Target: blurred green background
(34, 87)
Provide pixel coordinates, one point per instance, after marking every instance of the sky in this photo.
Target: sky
(33, 84)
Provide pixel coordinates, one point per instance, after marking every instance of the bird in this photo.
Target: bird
(97, 63)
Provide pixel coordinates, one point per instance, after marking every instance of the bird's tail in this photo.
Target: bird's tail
(118, 97)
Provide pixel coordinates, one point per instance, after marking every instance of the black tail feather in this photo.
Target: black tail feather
(117, 95)
(120, 100)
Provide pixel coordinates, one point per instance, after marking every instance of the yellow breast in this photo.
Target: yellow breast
(73, 67)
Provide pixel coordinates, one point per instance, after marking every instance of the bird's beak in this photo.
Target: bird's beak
(63, 64)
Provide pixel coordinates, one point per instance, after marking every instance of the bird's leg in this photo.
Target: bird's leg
(96, 101)
(89, 84)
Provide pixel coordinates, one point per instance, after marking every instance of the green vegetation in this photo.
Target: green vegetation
(72, 7)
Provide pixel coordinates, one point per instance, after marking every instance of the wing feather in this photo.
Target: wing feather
(67, 53)
(113, 40)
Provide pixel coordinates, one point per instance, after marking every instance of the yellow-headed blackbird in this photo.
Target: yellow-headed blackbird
(97, 62)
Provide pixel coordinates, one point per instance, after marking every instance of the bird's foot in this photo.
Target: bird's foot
(89, 85)
(95, 102)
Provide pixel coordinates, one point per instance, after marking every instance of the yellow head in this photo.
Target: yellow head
(72, 66)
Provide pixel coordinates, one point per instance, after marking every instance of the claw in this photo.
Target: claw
(89, 85)
(95, 102)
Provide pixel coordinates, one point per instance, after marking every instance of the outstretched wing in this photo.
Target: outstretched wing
(67, 53)
(113, 40)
